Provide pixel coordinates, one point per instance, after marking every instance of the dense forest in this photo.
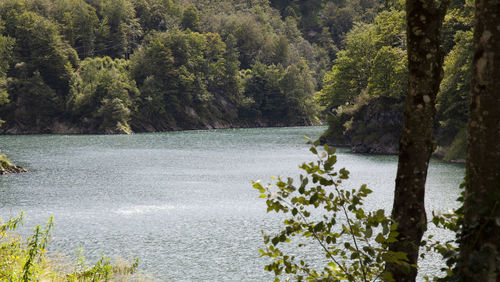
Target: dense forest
(120, 66)
(153, 65)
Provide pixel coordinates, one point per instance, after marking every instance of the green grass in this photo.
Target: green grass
(27, 260)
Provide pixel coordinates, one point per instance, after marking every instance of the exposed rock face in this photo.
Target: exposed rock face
(55, 128)
(376, 127)
(222, 114)
(373, 127)
(192, 121)
(6, 166)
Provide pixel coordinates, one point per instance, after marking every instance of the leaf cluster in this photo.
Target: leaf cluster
(373, 60)
(319, 209)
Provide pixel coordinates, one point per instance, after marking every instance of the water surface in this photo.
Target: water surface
(180, 201)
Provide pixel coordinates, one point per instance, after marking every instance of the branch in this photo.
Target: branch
(316, 236)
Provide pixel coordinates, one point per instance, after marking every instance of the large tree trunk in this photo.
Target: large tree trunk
(425, 60)
(480, 240)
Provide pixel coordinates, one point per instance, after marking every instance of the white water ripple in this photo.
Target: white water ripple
(145, 209)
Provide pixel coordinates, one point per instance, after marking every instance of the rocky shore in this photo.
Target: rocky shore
(61, 127)
(6, 166)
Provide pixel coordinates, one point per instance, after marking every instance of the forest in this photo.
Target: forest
(122, 66)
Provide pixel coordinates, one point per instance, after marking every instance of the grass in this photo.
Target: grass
(27, 260)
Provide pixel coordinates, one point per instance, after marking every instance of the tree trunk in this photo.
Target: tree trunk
(480, 239)
(425, 60)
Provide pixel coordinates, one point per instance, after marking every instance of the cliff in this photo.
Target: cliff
(371, 126)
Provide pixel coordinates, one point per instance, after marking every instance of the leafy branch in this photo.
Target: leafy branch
(354, 241)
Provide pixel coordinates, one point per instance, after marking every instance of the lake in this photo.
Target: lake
(182, 202)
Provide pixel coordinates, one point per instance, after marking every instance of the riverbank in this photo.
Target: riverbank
(387, 144)
(61, 127)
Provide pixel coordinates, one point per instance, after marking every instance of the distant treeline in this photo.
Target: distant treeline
(109, 66)
(150, 65)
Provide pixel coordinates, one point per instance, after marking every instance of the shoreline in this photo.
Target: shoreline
(74, 130)
(15, 131)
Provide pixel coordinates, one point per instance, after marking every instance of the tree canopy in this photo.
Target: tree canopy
(149, 65)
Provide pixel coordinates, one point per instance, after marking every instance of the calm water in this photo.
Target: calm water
(181, 201)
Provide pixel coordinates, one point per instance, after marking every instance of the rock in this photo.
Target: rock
(6, 166)
(376, 126)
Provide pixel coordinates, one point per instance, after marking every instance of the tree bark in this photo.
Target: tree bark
(479, 258)
(425, 61)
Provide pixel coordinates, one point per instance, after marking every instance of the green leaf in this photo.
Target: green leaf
(275, 241)
(313, 150)
(380, 238)
(313, 198)
(369, 232)
(319, 227)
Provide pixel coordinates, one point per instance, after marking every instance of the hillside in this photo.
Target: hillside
(121, 66)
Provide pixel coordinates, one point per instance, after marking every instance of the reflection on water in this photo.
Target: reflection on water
(181, 201)
(144, 209)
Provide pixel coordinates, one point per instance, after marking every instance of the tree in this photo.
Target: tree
(365, 89)
(191, 19)
(298, 86)
(263, 86)
(157, 15)
(453, 98)
(103, 94)
(388, 73)
(122, 27)
(6, 44)
(39, 69)
(350, 74)
(183, 75)
(373, 58)
(425, 60)
(79, 23)
(480, 238)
